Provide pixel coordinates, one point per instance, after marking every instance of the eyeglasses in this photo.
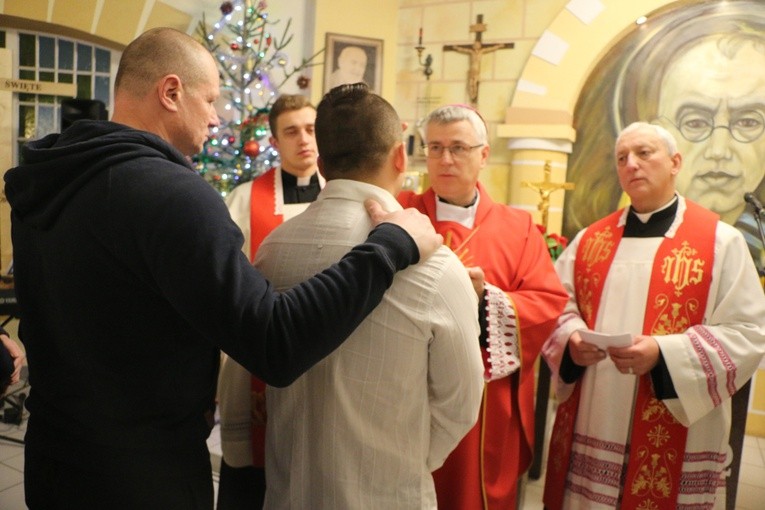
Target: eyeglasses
(458, 150)
(696, 126)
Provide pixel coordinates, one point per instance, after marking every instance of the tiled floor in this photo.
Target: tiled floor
(751, 492)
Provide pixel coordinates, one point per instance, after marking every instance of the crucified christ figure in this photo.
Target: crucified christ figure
(475, 52)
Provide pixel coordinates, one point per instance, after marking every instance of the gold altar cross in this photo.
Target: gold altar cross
(475, 51)
(545, 188)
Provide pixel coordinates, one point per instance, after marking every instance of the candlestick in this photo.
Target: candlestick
(427, 71)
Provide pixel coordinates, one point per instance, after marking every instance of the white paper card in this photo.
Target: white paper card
(604, 341)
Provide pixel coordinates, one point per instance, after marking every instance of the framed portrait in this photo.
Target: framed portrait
(351, 59)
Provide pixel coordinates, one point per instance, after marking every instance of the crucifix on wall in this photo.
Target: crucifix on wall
(545, 188)
(475, 52)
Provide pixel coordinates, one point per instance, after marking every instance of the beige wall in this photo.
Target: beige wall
(6, 149)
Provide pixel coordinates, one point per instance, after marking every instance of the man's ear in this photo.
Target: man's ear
(320, 164)
(399, 157)
(170, 90)
(484, 154)
(677, 163)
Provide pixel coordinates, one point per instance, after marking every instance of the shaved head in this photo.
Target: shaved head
(157, 53)
(167, 84)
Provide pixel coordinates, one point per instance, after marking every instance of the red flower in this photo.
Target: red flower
(555, 243)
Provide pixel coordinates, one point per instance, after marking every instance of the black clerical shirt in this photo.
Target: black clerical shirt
(298, 194)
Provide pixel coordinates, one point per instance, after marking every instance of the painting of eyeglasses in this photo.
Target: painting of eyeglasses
(697, 69)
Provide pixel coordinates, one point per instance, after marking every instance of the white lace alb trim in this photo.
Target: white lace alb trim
(503, 337)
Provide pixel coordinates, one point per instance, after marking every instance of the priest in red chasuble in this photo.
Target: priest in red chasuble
(520, 300)
(646, 424)
(258, 207)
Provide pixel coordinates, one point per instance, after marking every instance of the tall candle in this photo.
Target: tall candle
(420, 39)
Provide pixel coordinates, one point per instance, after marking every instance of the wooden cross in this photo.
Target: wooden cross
(545, 188)
(475, 51)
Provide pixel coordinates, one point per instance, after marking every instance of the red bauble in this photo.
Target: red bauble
(234, 46)
(303, 82)
(251, 148)
(226, 8)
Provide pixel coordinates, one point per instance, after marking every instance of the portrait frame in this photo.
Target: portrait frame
(372, 49)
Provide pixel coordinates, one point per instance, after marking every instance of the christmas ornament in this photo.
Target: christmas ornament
(226, 8)
(303, 82)
(251, 148)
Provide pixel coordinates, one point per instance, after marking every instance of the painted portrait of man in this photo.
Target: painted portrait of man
(352, 59)
(351, 66)
(698, 70)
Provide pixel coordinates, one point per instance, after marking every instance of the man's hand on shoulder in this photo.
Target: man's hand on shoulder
(416, 224)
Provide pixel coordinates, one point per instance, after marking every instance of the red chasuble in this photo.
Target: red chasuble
(677, 297)
(482, 472)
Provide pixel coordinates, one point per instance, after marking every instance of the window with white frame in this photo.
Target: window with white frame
(52, 58)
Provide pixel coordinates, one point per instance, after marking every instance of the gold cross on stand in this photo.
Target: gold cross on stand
(475, 51)
(545, 188)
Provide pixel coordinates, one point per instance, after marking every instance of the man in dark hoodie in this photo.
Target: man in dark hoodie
(130, 277)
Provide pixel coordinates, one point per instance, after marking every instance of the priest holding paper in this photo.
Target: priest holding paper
(647, 425)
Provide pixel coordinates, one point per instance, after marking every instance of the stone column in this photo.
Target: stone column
(536, 136)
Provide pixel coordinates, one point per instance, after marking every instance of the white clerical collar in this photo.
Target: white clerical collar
(644, 217)
(465, 216)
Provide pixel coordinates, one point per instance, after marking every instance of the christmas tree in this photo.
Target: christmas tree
(253, 67)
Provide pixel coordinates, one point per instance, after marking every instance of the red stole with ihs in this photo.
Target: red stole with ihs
(677, 297)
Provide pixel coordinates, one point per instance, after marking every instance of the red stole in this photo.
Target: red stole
(677, 297)
(262, 198)
(262, 221)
